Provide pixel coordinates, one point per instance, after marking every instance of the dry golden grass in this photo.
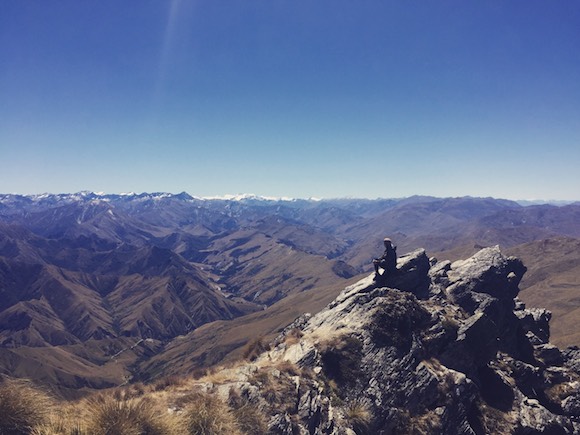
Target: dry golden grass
(219, 375)
(426, 424)
(493, 420)
(559, 392)
(130, 391)
(22, 407)
(61, 424)
(281, 392)
(249, 418)
(206, 414)
(255, 348)
(288, 368)
(168, 381)
(293, 336)
(261, 377)
(359, 416)
(169, 406)
(109, 416)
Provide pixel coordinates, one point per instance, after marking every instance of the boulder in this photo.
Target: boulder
(488, 272)
(412, 274)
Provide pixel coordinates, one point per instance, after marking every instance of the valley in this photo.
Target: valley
(100, 290)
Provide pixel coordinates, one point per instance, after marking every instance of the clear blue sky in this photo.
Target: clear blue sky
(291, 98)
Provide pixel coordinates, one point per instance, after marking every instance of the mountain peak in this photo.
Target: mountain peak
(438, 348)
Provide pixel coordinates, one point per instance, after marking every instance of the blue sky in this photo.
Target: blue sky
(293, 98)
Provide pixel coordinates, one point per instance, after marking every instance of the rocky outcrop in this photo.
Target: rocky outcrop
(438, 348)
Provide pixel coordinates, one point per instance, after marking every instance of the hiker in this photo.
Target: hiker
(388, 261)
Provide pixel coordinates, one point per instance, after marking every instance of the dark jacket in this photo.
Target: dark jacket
(388, 261)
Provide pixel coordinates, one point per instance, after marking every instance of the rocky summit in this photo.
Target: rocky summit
(437, 348)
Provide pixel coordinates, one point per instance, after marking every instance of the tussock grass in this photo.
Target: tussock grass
(249, 418)
(293, 336)
(129, 392)
(131, 410)
(206, 414)
(288, 368)
(22, 407)
(261, 377)
(255, 348)
(61, 425)
(168, 381)
(341, 361)
(110, 416)
(359, 416)
(219, 376)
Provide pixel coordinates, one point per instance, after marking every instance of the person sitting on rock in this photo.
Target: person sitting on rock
(387, 262)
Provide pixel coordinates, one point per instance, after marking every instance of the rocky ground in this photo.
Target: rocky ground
(438, 347)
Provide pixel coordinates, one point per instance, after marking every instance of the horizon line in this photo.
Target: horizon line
(252, 196)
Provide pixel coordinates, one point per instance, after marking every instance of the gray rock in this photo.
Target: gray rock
(479, 336)
(571, 404)
(537, 322)
(412, 274)
(435, 349)
(572, 358)
(487, 272)
(549, 354)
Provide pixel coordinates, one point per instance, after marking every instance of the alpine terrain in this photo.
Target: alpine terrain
(439, 347)
(98, 290)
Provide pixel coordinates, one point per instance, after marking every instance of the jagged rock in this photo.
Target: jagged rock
(518, 304)
(412, 274)
(572, 358)
(536, 323)
(439, 278)
(435, 349)
(548, 354)
(281, 424)
(533, 418)
(476, 344)
(447, 357)
(488, 283)
(571, 404)
(488, 272)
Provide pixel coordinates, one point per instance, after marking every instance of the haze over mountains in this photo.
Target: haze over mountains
(99, 289)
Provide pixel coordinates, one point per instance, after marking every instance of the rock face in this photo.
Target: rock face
(439, 348)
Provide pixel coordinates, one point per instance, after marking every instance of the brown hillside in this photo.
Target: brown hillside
(553, 282)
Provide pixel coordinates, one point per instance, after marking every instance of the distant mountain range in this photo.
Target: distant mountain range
(97, 289)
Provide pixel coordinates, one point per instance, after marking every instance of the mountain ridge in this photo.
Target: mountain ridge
(87, 195)
(462, 356)
(159, 266)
